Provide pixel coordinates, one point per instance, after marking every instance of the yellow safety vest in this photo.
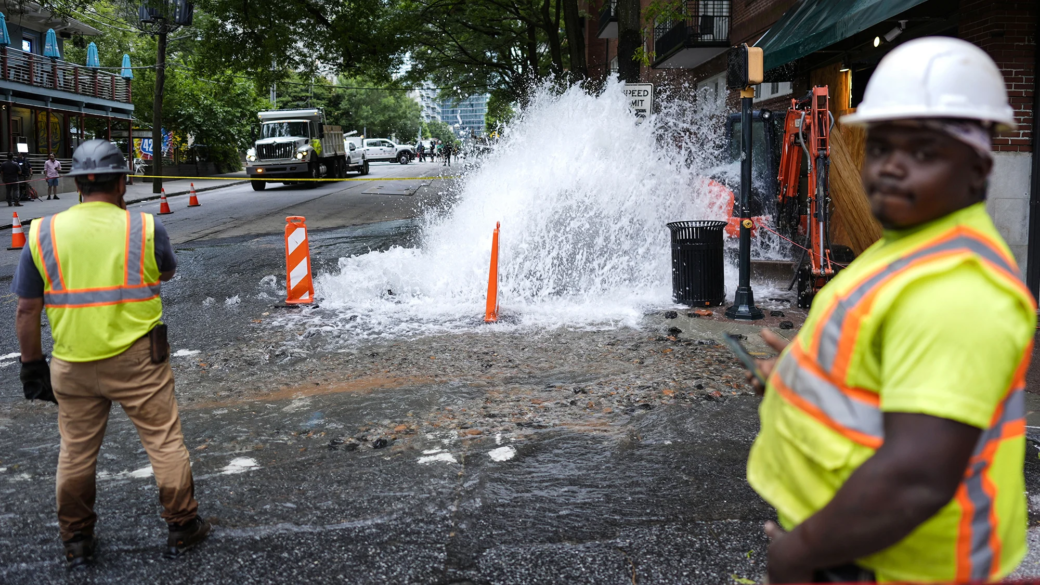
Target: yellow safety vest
(821, 416)
(101, 279)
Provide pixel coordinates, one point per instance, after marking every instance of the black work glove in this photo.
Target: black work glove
(36, 380)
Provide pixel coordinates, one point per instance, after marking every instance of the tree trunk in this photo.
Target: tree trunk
(629, 40)
(575, 39)
(532, 51)
(552, 33)
(160, 79)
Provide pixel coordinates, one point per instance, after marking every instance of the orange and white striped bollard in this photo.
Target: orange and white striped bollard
(299, 287)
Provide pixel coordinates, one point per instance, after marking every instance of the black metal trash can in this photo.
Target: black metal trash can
(698, 277)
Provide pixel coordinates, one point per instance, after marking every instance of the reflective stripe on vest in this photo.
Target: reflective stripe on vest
(833, 342)
(813, 380)
(133, 288)
(978, 544)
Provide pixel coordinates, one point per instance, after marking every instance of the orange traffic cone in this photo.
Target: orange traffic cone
(298, 285)
(193, 201)
(164, 207)
(491, 314)
(17, 235)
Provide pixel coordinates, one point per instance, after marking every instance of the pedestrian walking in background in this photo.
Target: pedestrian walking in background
(892, 427)
(447, 154)
(421, 150)
(52, 172)
(9, 172)
(96, 268)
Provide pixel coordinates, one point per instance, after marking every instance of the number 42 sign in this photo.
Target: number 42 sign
(640, 98)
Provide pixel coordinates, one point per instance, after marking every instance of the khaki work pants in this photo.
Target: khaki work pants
(85, 393)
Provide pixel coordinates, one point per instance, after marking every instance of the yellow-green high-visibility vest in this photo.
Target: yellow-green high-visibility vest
(101, 279)
(822, 415)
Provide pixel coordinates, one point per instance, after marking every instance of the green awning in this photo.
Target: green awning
(812, 25)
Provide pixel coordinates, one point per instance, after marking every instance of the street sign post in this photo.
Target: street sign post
(640, 97)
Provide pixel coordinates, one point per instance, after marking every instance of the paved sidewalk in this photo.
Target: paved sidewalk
(139, 191)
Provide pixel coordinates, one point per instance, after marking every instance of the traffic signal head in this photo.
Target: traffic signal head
(745, 67)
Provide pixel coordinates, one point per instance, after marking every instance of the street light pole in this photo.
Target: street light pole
(157, 103)
(158, 18)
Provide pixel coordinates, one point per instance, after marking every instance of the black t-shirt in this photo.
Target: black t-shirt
(9, 171)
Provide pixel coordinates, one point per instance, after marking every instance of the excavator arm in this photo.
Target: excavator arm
(807, 129)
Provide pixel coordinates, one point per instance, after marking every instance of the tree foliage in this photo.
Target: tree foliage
(271, 39)
(216, 110)
(500, 46)
(499, 112)
(441, 131)
(356, 103)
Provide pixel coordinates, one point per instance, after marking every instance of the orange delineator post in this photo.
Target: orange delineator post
(17, 235)
(193, 201)
(164, 207)
(491, 313)
(298, 285)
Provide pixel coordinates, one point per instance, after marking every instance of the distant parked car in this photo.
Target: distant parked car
(357, 160)
(381, 149)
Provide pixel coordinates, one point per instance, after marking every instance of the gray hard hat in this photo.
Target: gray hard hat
(97, 157)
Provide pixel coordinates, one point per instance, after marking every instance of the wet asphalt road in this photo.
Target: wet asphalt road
(605, 457)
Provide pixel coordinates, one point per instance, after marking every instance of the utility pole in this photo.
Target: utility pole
(745, 70)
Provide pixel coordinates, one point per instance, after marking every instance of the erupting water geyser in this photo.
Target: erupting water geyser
(583, 192)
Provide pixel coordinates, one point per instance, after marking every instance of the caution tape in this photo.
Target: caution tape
(294, 180)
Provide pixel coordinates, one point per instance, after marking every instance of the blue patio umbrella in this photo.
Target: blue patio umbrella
(50, 46)
(5, 37)
(92, 56)
(127, 72)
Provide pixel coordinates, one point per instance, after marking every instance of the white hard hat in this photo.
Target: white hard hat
(936, 77)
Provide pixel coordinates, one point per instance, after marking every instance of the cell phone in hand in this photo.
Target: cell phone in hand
(738, 349)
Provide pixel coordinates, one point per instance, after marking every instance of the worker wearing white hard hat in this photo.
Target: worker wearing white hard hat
(892, 433)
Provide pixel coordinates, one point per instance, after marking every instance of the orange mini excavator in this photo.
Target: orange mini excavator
(807, 130)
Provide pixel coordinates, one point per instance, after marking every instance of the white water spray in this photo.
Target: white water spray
(583, 192)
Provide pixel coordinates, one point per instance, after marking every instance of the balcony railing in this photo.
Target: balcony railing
(706, 24)
(608, 20)
(37, 71)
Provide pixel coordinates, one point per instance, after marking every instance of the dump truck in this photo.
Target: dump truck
(296, 144)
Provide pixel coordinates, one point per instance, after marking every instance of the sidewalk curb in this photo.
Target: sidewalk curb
(150, 198)
(154, 197)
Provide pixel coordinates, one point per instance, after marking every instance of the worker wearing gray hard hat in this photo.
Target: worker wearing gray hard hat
(96, 268)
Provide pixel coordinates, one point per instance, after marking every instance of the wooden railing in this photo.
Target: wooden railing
(37, 71)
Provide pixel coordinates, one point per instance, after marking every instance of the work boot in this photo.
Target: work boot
(183, 537)
(55, 198)
(79, 551)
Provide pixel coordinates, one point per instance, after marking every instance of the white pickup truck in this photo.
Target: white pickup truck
(381, 149)
(357, 160)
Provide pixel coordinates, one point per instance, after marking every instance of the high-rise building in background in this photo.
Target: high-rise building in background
(426, 96)
(465, 117)
(468, 114)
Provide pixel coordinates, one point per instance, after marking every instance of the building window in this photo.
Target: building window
(774, 89)
(27, 45)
